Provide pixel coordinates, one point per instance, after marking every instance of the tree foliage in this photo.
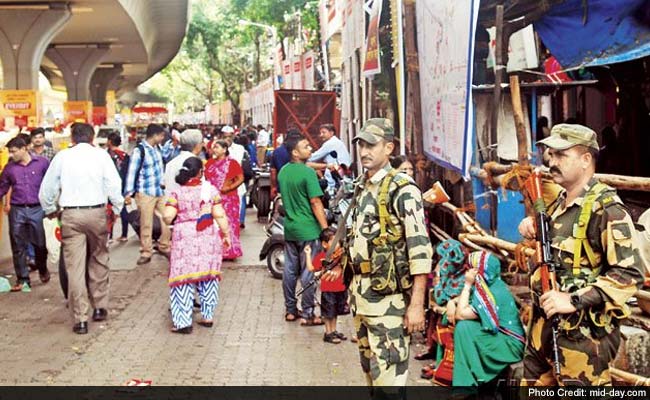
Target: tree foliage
(220, 59)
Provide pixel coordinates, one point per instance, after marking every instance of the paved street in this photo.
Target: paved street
(250, 343)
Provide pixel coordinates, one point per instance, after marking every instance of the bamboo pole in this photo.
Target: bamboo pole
(518, 112)
(621, 182)
(495, 242)
(628, 377)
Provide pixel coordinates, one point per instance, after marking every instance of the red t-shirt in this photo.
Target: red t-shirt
(326, 286)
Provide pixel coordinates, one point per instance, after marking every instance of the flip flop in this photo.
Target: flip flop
(315, 321)
(289, 317)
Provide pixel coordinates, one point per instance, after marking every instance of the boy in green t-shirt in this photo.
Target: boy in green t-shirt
(305, 219)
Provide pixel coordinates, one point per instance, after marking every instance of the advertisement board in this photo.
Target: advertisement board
(20, 108)
(77, 111)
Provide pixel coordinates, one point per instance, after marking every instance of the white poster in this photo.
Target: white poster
(446, 31)
(296, 73)
(286, 73)
(308, 68)
(522, 50)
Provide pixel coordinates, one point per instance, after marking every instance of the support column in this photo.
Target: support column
(25, 33)
(100, 81)
(77, 63)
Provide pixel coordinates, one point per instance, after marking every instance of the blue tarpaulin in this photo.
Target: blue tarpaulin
(596, 32)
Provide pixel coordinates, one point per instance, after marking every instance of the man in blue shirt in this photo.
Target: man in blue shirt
(145, 181)
(279, 159)
(321, 159)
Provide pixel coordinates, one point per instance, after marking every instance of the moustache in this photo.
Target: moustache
(366, 159)
(556, 170)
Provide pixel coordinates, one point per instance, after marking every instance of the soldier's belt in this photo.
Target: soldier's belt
(363, 268)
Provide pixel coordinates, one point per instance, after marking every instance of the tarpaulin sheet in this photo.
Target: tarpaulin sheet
(614, 31)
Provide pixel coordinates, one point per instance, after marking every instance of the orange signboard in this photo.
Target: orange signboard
(78, 111)
(22, 106)
(99, 115)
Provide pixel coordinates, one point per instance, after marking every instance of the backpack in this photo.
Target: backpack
(247, 167)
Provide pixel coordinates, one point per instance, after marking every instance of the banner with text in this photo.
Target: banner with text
(78, 111)
(308, 69)
(20, 108)
(371, 63)
(446, 47)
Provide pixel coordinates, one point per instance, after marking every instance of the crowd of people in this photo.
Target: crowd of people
(379, 265)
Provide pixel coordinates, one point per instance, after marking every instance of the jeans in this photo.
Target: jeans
(242, 210)
(295, 267)
(25, 227)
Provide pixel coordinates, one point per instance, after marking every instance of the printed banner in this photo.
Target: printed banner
(446, 47)
(372, 63)
(99, 115)
(296, 73)
(20, 107)
(286, 72)
(78, 111)
(308, 69)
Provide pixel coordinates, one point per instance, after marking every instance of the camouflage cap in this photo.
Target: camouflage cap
(374, 130)
(564, 136)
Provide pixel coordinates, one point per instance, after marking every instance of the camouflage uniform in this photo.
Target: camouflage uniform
(378, 318)
(588, 338)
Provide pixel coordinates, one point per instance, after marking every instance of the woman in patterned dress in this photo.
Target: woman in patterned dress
(226, 175)
(196, 251)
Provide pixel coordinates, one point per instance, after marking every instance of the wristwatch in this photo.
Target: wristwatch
(576, 302)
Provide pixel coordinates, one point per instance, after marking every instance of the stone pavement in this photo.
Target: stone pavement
(250, 344)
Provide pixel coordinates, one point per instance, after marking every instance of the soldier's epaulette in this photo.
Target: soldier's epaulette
(609, 199)
(402, 181)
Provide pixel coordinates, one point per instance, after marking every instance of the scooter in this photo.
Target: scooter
(260, 192)
(273, 248)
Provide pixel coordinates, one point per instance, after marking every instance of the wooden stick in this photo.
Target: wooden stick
(621, 182)
(496, 242)
(518, 112)
(636, 380)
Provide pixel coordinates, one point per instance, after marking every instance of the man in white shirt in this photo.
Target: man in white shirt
(262, 143)
(322, 159)
(83, 178)
(191, 145)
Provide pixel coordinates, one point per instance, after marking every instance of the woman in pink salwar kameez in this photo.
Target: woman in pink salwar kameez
(226, 175)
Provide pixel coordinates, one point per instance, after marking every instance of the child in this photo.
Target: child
(333, 291)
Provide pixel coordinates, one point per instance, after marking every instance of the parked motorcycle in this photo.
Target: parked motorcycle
(260, 192)
(273, 248)
(337, 204)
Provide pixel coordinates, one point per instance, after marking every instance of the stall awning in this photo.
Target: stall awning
(596, 32)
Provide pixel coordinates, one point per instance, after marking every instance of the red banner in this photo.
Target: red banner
(372, 63)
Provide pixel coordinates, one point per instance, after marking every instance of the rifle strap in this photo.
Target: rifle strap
(341, 227)
(581, 225)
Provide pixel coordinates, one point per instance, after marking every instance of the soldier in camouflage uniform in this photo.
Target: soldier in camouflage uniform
(598, 268)
(390, 259)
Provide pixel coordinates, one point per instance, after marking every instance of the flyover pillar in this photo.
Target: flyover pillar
(100, 81)
(25, 33)
(77, 63)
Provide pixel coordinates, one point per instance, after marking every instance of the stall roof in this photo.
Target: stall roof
(514, 9)
(542, 87)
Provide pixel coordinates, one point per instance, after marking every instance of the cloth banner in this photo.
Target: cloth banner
(596, 32)
(371, 63)
(446, 31)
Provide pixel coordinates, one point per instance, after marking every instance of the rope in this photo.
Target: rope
(519, 174)
(521, 258)
(487, 167)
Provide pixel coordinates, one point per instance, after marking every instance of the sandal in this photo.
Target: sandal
(290, 317)
(340, 335)
(207, 324)
(331, 338)
(313, 321)
(185, 331)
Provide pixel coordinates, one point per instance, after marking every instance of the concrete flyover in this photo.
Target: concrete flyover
(115, 44)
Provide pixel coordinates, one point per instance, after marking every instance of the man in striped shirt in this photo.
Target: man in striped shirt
(145, 182)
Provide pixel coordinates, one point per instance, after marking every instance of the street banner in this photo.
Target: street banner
(99, 115)
(286, 72)
(446, 48)
(330, 18)
(522, 50)
(296, 73)
(111, 106)
(308, 69)
(20, 108)
(77, 111)
(372, 63)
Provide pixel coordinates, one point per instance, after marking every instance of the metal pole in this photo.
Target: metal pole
(402, 72)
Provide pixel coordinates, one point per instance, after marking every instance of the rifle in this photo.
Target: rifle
(328, 263)
(533, 188)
